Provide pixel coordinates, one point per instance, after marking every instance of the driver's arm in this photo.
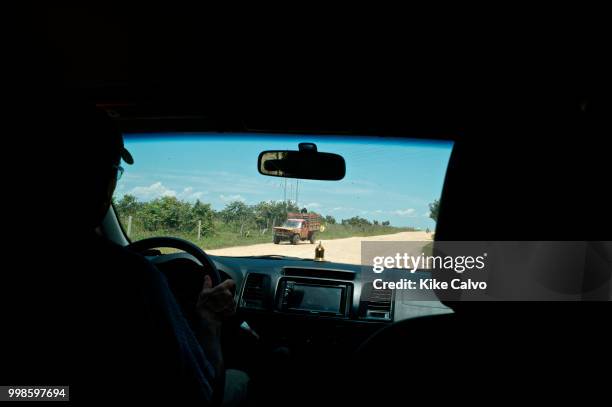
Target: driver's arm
(214, 303)
(208, 337)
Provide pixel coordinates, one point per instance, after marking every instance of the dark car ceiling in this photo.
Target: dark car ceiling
(177, 69)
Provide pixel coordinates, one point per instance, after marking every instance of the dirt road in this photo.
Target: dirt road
(346, 250)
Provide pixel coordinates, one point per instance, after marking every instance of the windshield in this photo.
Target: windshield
(292, 224)
(206, 189)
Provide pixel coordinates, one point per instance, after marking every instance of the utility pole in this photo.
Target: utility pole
(297, 184)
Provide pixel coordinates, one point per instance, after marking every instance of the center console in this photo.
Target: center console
(314, 297)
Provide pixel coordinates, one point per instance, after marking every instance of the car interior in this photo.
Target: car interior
(526, 162)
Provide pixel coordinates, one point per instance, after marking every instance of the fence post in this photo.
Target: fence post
(199, 229)
(129, 228)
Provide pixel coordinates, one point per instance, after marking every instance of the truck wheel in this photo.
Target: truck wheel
(312, 238)
(276, 240)
(295, 239)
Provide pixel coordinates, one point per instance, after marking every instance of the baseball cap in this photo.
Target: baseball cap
(126, 156)
(108, 138)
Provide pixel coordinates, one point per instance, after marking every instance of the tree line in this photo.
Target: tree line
(169, 213)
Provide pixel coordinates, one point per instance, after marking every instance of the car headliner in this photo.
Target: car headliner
(173, 69)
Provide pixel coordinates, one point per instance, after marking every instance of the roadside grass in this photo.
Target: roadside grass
(227, 236)
(343, 231)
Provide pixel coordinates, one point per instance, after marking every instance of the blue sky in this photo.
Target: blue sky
(386, 179)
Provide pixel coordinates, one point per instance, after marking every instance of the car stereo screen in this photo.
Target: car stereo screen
(316, 298)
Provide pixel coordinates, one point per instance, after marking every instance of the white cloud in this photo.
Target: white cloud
(153, 191)
(404, 212)
(312, 205)
(190, 194)
(230, 198)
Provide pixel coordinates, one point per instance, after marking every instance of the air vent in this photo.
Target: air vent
(253, 295)
(380, 299)
(376, 304)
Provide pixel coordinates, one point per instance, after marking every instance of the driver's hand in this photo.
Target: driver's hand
(216, 303)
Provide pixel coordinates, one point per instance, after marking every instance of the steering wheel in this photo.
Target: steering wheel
(186, 281)
(180, 244)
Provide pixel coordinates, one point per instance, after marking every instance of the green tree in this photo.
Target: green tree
(167, 213)
(434, 208)
(264, 213)
(236, 211)
(240, 215)
(386, 223)
(356, 221)
(128, 205)
(203, 212)
(330, 220)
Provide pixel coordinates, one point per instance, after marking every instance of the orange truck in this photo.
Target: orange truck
(298, 227)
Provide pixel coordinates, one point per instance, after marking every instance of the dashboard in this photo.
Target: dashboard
(307, 289)
(322, 290)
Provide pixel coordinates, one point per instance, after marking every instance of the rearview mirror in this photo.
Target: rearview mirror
(307, 163)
